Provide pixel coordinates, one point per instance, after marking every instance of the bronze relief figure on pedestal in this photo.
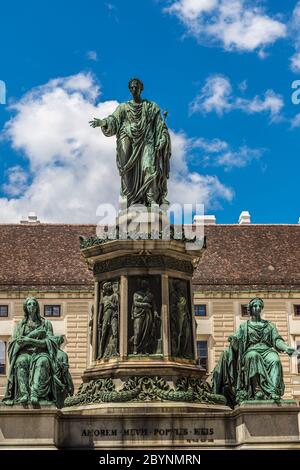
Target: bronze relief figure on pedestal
(180, 320)
(108, 321)
(145, 319)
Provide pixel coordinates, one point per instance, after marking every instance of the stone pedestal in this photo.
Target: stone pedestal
(27, 427)
(144, 338)
(181, 426)
(267, 426)
(150, 426)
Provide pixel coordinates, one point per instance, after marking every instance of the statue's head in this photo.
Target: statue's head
(144, 284)
(31, 308)
(136, 87)
(255, 306)
(179, 286)
(107, 287)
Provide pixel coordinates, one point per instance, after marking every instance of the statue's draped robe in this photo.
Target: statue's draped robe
(144, 171)
(63, 374)
(181, 328)
(40, 364)
(251, 364)
(107, 323)
(143, 322)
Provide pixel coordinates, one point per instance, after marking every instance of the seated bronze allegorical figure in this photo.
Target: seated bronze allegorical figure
(35, 365)
(250, 368)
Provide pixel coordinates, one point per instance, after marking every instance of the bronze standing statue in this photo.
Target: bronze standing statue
(143, 148)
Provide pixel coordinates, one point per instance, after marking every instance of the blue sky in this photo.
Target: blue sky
(222, 68)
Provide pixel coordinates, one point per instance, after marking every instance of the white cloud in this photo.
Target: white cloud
(219, 153)
(190, 187)
(234, 24)
(112, 11)
(210, 146)
(17, 181)
(295, 122)
(241, 158)
(295, 62)
(72, 166)
(92, 55)
(294, 30)
(190, 10)
(243, 86)
(217, 96)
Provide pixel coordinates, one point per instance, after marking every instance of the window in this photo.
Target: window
(3, 310)
(2, 357)
(52, 310)
(297, 310)
(202, 354)
(200, 310)
(244, 310)
(297, 347)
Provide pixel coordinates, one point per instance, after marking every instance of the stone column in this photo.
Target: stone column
(165, 314)
(96, 310)
(194, 326)
(123, 333)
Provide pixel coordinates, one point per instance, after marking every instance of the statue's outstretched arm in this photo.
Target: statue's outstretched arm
(109, 125)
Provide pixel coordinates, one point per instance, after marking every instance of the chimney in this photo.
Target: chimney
(244, 218)
(30, 219)
(205, 219)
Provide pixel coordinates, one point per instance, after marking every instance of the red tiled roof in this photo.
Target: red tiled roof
(238, 257)
(250, 257)
(44, 256)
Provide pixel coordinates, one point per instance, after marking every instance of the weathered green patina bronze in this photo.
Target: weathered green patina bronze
(146, 321)
(62, 373)
(143, 148)
(146, 389)
(250, 369)
(108, 322)
(180, 320)
(38, 368)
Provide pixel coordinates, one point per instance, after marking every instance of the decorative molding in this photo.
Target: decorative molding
(170, 233)
(187, 389)
(140, 261)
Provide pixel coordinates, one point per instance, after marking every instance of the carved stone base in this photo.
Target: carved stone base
(143, 289)
(145, 389)
(155, 425)
(23, 427)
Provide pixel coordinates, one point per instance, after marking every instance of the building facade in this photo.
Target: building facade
(240, 261)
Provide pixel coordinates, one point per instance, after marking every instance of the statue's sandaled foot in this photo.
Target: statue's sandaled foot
(259, 395)
(34, 400)
(24, 399)
(275, 397)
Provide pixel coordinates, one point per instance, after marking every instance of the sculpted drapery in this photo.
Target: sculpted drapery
(146, 321)
(34, 354)
(143, 148)
(250, 368)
